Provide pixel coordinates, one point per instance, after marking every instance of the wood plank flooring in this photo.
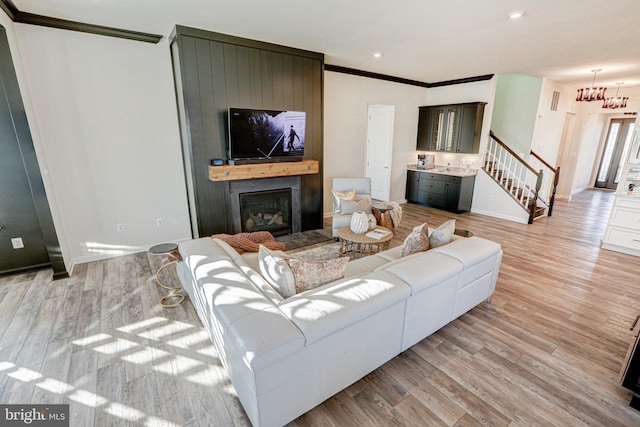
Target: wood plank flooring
(546, 352)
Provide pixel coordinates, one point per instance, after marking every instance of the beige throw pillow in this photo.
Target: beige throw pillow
(443, 234)
(276, 271)
(348, 207)
(311, 274)
(337, 196)
(416, 241)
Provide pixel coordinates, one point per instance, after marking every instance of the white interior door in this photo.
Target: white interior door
(380, 149)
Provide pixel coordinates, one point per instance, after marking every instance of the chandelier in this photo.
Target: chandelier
(592, 93)
(616, 101)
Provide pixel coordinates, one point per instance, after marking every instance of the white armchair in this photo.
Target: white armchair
(363, 191)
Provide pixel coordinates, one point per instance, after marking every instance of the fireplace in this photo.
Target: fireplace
(266, 211)
(266, 197)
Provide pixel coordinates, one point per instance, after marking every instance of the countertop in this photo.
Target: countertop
(445, 170)
(630, 194)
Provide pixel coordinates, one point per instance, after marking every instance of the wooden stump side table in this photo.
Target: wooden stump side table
(174, 298)
(383, 218)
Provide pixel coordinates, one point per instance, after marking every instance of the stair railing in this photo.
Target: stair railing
(550, 182)
(514, 174)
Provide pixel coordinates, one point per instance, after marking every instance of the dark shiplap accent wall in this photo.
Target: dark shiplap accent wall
(214, 72)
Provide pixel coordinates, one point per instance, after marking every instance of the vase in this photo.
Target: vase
(359, 222)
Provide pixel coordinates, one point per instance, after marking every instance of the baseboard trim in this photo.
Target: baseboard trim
(130, 251)
(499, 216)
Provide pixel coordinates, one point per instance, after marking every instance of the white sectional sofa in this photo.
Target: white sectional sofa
(286, 356)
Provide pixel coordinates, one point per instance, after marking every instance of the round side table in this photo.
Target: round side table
(173, 298)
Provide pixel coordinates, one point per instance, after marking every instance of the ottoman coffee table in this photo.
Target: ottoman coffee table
(359, 245)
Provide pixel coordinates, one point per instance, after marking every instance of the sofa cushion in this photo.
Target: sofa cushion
(311, 274)
(478, 256)
(365, 264)
(470, 250)
(423, 270)
(443, 234)
(231, 305)
(323, 310)
(416, 241)
(248, 270)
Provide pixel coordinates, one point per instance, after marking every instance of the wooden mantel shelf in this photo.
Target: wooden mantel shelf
(262, 170)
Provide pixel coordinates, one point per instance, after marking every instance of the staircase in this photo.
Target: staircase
(524, 183)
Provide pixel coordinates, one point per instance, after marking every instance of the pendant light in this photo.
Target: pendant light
(592, 93)
(616, 101)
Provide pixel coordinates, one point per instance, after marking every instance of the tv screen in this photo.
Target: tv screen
(265, 133)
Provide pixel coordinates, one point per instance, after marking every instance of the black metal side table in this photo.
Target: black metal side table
(173, 298)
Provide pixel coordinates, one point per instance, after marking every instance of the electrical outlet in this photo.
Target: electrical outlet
(17, 243)
(120, 227)
(159, 222)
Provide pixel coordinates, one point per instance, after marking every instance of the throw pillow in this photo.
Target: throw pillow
(311, 274)
(416, 241)
(348, 207)
(443, 234)
(276, 271)
(337, 196)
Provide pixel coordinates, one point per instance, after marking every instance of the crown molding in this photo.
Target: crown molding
(386, 77)
(378, 76)
(9, 8)
(63, 24)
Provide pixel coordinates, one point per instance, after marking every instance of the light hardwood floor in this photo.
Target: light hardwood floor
(546, 351)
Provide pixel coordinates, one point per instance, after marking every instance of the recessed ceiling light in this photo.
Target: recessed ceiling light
(516, 14)
(377, 55)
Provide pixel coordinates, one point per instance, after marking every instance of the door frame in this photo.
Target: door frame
(389, 112)
(616, 155)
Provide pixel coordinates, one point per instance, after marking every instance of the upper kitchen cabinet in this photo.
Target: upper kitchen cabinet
(452, 128)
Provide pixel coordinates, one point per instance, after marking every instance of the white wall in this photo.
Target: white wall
(103, 116)
(547, 133)
(346, 101)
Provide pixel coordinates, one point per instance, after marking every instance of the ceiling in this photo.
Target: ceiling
(424, 40)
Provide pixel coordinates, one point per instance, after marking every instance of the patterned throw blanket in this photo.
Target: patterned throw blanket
(250, 242)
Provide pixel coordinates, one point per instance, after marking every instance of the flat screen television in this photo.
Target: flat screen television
(266, 134)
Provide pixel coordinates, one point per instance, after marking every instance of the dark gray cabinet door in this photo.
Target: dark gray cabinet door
(424, 129)
(413, 182)
(470, 128)
(450, 193)
(450, 128)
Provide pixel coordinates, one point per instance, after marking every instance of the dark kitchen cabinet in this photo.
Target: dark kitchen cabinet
(441, 191)
(452, 128)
